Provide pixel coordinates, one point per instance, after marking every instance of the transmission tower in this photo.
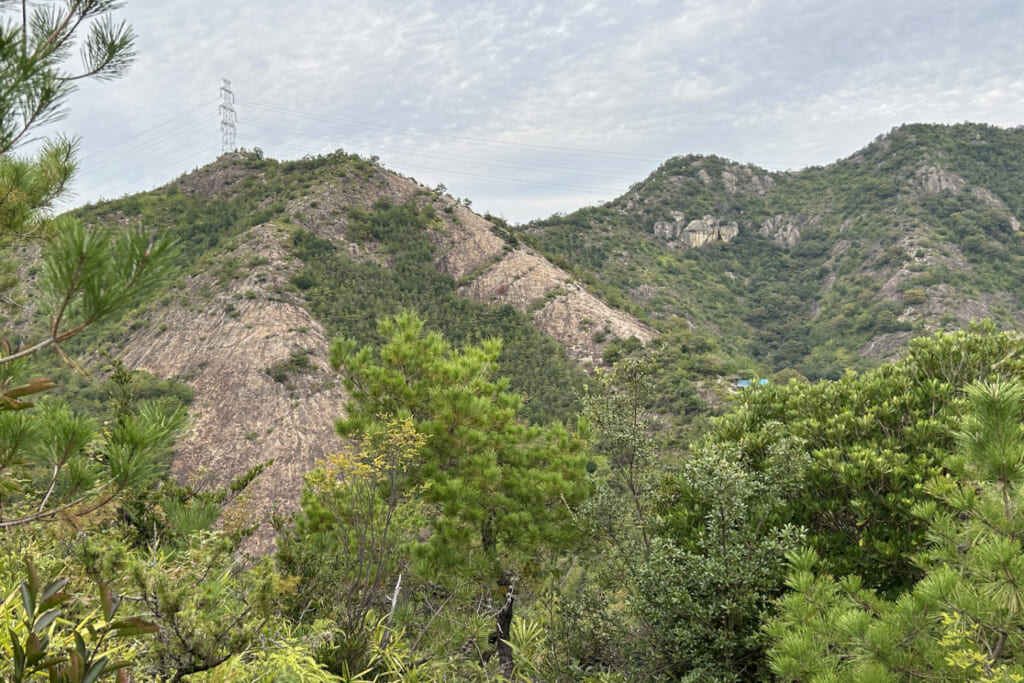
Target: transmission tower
(227, 118)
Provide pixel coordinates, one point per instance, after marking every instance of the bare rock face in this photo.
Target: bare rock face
(572, 317)
(699, 232)
(782, 230)
(935, 180)
(518, 280)
(671, 230)
(761, 184)
(467, 243)
(743, 178)
(561, 308)
(696, 233)
(730, 181)
(222, 345)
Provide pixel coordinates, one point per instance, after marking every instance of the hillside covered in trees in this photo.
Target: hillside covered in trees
(312, 421)
(820, 269)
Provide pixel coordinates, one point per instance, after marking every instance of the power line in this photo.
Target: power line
(478, 141)
(404, 151)
(150, 145)
(181, 160)
(461, 173)
(606, 154)
(109, 148)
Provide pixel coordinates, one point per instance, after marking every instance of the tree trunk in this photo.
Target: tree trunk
(488, 536)
(500, 635)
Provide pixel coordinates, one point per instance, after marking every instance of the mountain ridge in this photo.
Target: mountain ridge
(238, 330)
(723, 269)
(920, 225)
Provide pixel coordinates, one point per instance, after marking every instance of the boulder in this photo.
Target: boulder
(708, 229)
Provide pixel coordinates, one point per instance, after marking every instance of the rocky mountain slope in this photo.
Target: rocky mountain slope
(222, 345)
(821, 269)
(727, 269)
(489, 265)
(239, 331)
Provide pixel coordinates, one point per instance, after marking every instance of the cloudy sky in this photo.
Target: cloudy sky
(528, 108)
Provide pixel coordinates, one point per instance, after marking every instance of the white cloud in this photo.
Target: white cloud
(503, 95)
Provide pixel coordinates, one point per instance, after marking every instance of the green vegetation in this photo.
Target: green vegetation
(923, 215)
(961, 620)
(443, 453)
(298, 362)
(494, 514)
(349, 294)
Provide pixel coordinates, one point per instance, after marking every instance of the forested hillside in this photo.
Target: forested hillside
(312, 421)
(821, 269)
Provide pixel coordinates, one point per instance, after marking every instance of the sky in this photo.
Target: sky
(533, 108)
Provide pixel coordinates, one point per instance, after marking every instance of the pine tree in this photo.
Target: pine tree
(964, 620)
(55, 465)
(48, 459)
(498, 492)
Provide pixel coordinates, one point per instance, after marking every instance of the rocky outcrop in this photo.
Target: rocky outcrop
(673, 229)
(574, 318)
(519, 279)
(560, 308)
(761, 184)
(467, 243)
(730, 181)
(935, 180)
(743, 178)
(707, 229)
(783, 230)
(696, 233)
(994, 201)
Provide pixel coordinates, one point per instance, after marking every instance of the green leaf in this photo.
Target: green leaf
(133, 626)
(108, 603)
(28, 600)
(52, 596)
(95, 670)
(54, 600)
(19, 655)
(115, 666)
(80, 650)
(43, 622)
(33, 576)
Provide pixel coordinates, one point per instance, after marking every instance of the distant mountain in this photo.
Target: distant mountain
(817, 270)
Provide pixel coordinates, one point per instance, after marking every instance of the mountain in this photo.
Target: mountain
(817, 270)
(279, 258)
(724, 270)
